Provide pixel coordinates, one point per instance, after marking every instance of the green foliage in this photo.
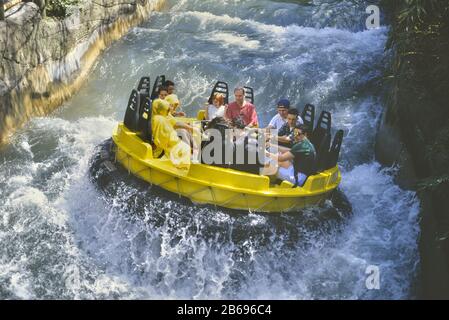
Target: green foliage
(433, 184)
(438, 151)
(58, 8)
(420, 38)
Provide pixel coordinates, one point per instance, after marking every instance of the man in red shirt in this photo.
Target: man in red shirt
(242, 109)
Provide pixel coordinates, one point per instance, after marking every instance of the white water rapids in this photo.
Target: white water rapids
(62, 238)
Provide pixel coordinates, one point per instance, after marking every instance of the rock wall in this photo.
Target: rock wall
(414, 133)
(393, 144)
(44, 61)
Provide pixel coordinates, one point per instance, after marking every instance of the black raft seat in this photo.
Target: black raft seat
(144, 86)
(249, 94)
(322, 153)
(138, 110)
(132, 114)
(145, 130)
(321, 139)
(308, 116)
(334, 152)
(220, 87)
(144, 89)
(323, 128)
(159, 82)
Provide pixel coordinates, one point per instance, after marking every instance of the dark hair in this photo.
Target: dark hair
(240, 89)
(293, 111)
(304, 128)
(162, 88)
(168, 83)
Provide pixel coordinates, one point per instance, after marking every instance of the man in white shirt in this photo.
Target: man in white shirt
(281, 117)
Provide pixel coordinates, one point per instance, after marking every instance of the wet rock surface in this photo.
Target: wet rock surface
(40, 57)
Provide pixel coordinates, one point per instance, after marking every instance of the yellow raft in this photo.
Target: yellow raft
(222, 187)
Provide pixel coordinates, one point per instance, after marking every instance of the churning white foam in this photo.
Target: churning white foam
(228, 40)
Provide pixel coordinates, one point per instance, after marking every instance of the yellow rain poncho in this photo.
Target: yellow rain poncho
(173, 100)
(165, 137)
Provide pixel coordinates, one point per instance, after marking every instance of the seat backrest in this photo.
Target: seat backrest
(159, 82)
(322, 128)
(308, 116)
(220, 87)
(145, 130)
(132, 115)
(322, 153)
(144, 86)
(249, 94)
(334, 152)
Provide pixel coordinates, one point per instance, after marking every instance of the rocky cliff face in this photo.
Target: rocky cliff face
(43, 61)
(415, 128)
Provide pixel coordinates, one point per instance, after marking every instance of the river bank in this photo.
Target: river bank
(44, 61)
(414, 133)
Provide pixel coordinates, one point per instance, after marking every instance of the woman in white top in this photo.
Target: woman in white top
(217, 108)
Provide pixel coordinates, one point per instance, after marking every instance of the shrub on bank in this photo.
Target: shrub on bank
(58, 8)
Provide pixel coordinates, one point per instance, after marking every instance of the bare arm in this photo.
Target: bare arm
(227, 114)
(254, 121)
(206, 113)
(284, 139)
(287, 156)
(182, 125)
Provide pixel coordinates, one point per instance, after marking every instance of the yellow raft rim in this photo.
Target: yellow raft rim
(228, 188)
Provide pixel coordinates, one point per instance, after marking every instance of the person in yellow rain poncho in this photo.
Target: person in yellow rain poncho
(165, 137)
(185, 131)
(174, 102)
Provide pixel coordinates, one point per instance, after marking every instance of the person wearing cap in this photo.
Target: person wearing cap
(280, 119)
(241, 109)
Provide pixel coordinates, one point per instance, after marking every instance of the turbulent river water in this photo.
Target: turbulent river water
(63, 238)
